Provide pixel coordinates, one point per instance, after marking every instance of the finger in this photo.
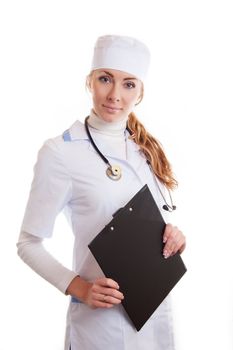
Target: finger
(107, 282)
(174, 244)
(176, 247)
(107, 298)
(182, 248)
(107, 286)
(102, 299)
(167, 231)
(169, 250)
(181, 244)
(171, 242)
(111, 300)
(107, 291)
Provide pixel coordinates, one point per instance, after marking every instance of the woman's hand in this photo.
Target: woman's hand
(102, 293)
(174, 241)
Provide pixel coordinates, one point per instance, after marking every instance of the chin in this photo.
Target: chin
(110, 117)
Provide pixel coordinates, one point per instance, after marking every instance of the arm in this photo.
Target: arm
(51, 190)
(101, 293)
(32, 251)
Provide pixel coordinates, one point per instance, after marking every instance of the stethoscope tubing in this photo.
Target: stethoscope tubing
(166, 206)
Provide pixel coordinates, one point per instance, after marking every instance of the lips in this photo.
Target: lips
(112, 108)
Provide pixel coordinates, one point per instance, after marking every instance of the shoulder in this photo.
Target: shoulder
(76, 132)
(61, 149)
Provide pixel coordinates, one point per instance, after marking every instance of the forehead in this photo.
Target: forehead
(117, 74)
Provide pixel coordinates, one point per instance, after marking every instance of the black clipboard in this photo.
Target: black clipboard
(129, 250)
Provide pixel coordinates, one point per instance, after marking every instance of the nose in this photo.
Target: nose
(114, 94)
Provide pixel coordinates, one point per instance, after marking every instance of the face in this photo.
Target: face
(114, 93)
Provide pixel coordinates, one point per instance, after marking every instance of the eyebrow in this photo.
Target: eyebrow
(128, 78)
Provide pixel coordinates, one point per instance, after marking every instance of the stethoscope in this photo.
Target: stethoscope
(114, 171)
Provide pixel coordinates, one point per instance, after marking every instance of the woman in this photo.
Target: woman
(92, 171)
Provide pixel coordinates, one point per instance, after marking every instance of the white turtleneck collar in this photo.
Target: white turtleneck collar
(116, 128)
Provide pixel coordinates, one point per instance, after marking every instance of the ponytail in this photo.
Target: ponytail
(153, 152)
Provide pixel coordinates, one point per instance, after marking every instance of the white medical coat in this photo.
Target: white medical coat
(70, 175)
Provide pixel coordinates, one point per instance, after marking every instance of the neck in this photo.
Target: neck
(115, 128)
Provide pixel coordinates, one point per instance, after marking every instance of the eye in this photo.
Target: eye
(130, 85)
(105, 79)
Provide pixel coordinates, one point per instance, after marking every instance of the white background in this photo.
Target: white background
(46, 49)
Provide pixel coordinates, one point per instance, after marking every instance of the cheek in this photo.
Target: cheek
(95, 97)
(97, 94)
(134, 96)
(132, 100)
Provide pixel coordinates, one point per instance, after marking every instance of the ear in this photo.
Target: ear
(140, 97)
(139, 100)
(88, 83)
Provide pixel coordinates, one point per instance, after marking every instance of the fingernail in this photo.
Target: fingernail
(164, 239)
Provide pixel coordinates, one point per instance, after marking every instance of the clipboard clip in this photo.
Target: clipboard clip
(117, 212)
(120, 209)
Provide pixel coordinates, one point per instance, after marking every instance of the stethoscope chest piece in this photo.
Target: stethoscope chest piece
(114, 172)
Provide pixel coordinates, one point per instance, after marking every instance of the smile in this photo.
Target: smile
(112, 108)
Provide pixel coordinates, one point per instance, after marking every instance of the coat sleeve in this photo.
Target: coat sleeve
(32, 251)
(50, 192)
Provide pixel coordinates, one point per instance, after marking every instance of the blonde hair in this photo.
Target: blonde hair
(150, 147)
